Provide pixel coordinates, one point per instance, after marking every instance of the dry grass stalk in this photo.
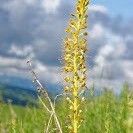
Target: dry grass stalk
(43, 92)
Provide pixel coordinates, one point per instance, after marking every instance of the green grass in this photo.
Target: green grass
(106, 113)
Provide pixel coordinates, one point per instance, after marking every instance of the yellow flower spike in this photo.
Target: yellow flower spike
(73, 24)
(66, 89)
(80, 111)
(68, 29)
(71, 107)
(83, 84)
(85, 33)
(67, 79)
(83, 99)
(79, 126)
(74, 60)
(70, 101)
(68, 69)
(83, 78)
(73, 15)
(69, 116)
(69, 127)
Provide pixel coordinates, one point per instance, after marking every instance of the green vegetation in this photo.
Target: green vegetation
(106, 113)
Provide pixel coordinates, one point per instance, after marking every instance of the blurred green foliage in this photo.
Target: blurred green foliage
(105, 113)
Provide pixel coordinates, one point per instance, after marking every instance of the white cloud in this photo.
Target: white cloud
(21, 51)
(97, 31)
(13, 67)
(98, 8)
(17, 8)
(110, 66)
(128, 69)
(6, 62)
(47, 73)
(30, 2)
(113, 49)
(19, 68)
(50, 6)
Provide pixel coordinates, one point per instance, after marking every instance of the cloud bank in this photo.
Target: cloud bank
(31, 29)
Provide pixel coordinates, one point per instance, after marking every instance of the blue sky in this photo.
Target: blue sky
(31, 29)
(121, 7)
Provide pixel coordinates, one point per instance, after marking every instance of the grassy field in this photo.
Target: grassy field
(106, 113)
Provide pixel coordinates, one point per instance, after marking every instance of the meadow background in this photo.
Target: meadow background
(34, 30)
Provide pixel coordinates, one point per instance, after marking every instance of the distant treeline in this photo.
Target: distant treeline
(18, 96)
